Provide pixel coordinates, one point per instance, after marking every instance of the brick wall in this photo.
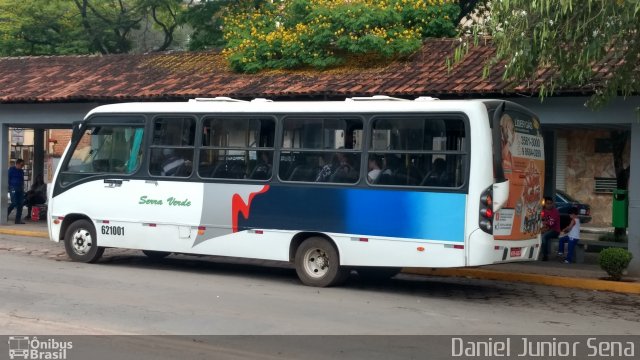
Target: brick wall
(583, 165)
(61, 138)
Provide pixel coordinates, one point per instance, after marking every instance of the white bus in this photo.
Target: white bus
(367, 184)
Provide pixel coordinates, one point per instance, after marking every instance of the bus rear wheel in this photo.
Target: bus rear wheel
(156, 255)
(318, 264)
(81, 243)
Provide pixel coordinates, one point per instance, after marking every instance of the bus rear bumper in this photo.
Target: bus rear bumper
(485, 250)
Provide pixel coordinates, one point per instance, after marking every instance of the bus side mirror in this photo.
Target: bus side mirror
(500, 195)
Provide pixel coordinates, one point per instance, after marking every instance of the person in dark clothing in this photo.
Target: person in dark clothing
(16, 189)
(262, 171)
(36, 195)
(438, 175)
(550, 225)
(171, 164)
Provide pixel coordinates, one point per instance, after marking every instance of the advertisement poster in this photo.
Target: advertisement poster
(523, 165)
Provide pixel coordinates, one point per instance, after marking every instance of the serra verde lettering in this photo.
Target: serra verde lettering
(144, 200)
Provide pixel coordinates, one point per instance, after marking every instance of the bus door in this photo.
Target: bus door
(167, 202)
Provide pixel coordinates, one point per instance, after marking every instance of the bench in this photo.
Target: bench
(583, 245)
(580, 249)
(603, 244)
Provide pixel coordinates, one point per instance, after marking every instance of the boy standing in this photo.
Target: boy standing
(573, 236)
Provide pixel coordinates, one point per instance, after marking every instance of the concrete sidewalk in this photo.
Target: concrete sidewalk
(553, 273)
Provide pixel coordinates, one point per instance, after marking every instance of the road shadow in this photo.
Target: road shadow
(284, 273)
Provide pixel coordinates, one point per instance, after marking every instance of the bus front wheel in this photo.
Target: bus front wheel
(318, 264)
(81, 243)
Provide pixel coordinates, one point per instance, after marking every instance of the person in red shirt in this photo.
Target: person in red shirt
(550, 225)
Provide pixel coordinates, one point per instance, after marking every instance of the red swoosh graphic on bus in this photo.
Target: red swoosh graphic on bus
(238, 206)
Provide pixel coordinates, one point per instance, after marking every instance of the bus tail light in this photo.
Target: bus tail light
(486, 210)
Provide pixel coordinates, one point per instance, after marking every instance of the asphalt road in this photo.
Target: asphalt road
(43, 292)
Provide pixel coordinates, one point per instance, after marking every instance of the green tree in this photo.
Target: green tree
(59, 27)
(592, 44)
(578, 39)
(206, 21)
(166, 16)
(30, 27)
(110, 23)
(324, 33)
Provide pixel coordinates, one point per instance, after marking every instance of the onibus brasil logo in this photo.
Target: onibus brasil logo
(25, 347)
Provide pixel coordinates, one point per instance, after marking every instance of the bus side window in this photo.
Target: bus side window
(417, 151)
(172, 147)
(237, 148)
(321, 149)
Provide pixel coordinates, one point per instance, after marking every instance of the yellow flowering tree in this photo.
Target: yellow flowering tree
(324, 33)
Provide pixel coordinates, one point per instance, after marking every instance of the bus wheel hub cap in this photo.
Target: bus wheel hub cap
(321, 262)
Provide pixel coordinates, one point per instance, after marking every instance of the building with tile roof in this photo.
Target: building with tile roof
(183, 75)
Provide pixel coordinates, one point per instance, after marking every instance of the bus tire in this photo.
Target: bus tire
(81, 243)
(318, 263)
(156, 255)
(375, 273)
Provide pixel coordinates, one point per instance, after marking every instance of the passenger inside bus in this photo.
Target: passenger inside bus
(171, 163)
(438, 175)
(339, 170)
(375, 168)
(262, 171)
(345, 172)
(390, 166)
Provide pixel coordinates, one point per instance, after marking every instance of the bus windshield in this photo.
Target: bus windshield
(105, 149)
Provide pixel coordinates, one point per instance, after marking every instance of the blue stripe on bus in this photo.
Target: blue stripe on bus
(391, 213)
(416, 215)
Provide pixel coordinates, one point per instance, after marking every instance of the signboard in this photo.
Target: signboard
(523, 165)
(17, 136)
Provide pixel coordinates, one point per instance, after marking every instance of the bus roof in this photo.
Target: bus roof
(351, 105)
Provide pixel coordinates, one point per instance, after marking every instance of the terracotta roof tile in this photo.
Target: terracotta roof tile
(183, 75)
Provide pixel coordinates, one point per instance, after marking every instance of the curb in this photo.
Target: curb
(42, 234)
(561, 281)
